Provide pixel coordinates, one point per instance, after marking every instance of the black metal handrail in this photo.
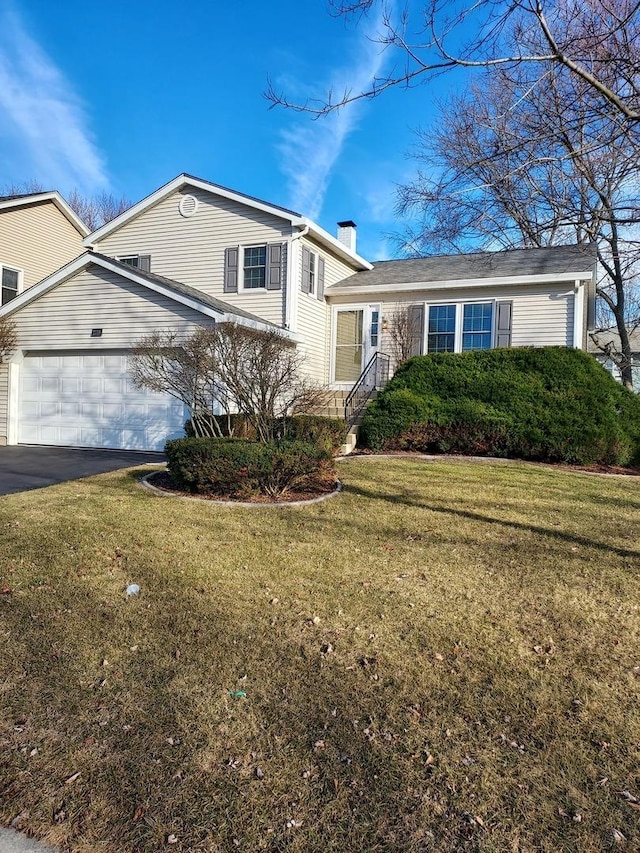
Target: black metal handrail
(374, 376)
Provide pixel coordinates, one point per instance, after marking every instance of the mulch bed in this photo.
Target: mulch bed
(164, 481)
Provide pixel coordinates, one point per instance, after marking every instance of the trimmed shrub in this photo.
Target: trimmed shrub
(329, 433)
(392, 413)
(550, 404)
(241, 468)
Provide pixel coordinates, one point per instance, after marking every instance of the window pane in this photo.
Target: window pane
(349, 345)
(10, 279)
(476, 326)
(255, 256)
(254, 277)
(442, 327)
(255, 266)
(8, 295)
(132, 261)
(375, 322)
(9, 285)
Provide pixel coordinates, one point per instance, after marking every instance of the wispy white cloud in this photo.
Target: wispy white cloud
(311, 149)
(44, 126)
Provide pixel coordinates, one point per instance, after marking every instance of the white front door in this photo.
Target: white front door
(356, 338)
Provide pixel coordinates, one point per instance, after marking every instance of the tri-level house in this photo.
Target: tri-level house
(195, 253)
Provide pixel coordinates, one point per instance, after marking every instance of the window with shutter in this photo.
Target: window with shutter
(312, 280)
(255, 267)
(459, 327)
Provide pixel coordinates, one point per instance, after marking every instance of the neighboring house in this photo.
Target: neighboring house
(39, 233)
(611, 336)
(194, 252)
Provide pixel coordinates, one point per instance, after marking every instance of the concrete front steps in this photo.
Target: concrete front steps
(333, 407)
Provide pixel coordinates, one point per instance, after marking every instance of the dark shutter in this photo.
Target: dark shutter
(416, 328)
(144, 263)
(320, 288)
(306, 269)
(231, 270)
(275, 265)
(504, 311)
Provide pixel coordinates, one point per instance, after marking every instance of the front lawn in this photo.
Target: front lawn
(445, 657)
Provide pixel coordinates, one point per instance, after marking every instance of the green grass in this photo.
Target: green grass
(444, 657)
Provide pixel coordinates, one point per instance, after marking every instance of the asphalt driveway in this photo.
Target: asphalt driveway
(23, 468)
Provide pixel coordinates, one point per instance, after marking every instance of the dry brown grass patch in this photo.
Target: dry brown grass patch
(444, 658)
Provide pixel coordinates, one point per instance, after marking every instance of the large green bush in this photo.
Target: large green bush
(241, 468)
(550, 403)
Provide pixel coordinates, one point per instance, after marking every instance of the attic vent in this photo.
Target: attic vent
(188, 205)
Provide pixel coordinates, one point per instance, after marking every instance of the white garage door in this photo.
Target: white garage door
(77, 399)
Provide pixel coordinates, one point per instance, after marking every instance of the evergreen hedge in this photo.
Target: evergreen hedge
(550, 404)
(239, 468)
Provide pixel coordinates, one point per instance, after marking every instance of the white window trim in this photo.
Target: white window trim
(20, 272)
(241, 251)
(313, 283)
(459, 306)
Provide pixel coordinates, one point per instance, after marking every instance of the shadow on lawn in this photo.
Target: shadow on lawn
(134, 694)
(135, 697)
(406, 500)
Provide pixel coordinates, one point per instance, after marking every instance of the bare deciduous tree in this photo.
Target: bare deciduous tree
(595, 41)
(93, 210)
(401, 334)
(182, 366)
(96, 210)
(228, 367)
(8, 338)
(512, 163)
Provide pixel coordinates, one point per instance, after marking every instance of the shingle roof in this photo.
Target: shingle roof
(244, 195)
(184, 289)
(23, 195)
(513, 262)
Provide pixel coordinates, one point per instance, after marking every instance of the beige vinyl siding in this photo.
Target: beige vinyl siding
(313, 323)
(191, 249)
(97, 298)
(312, 329)
(4, 392)
(335, 269)
(37, 239)
(542, 315)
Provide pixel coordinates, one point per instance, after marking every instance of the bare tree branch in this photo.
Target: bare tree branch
(585, 36)
(230, 368)
(93, 210)
(513, 164)
(8, 338)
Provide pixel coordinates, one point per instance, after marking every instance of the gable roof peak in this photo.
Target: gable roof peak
(295, 219)
(8, 202)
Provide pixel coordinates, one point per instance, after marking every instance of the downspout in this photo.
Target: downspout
(291, 292)
(579, 318)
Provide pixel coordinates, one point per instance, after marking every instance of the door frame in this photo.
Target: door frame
(367, 349)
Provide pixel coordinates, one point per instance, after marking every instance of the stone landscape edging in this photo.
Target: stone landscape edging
(164, 493)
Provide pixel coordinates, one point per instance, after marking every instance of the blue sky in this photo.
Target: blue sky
(122, 96)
